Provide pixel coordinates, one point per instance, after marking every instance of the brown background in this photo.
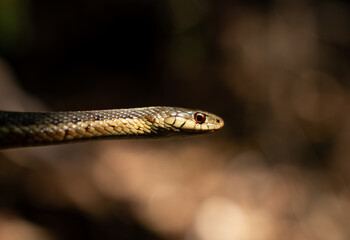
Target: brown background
(276, 71)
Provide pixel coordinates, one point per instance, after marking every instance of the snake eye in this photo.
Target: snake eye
(199, 117)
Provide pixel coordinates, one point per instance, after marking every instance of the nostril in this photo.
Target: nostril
(218, 120)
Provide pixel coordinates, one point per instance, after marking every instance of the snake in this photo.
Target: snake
(25, 129)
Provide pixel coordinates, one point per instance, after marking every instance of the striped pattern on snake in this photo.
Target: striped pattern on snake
(22, 129)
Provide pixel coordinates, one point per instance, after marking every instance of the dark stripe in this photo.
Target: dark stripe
(182, 124)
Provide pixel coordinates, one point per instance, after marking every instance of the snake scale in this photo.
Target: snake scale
(22, 129)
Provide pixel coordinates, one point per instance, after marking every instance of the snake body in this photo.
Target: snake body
(21, 129)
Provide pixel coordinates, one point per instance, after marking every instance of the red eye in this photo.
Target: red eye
(199, 117)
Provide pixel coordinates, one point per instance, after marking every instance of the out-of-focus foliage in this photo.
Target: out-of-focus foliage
(13, 23)
(276, 71)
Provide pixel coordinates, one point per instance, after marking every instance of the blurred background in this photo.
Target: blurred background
(277, 72)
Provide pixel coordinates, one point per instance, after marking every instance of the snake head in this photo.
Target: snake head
(193, 121)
